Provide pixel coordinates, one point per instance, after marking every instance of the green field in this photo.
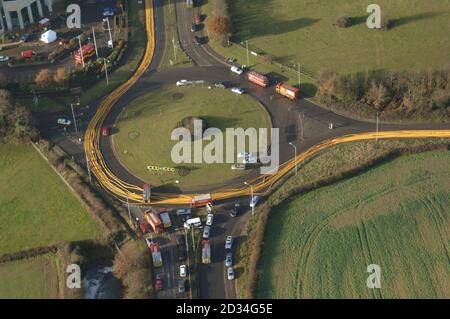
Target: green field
(144, 130)
(293, 31)
(34, 278)
(319, 244)
(36, 207)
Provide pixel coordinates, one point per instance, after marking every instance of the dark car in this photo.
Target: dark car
(181, 285)
(235, 210)
(193, 27)
(198, 19)
(25, 37)
(181, 254)
(197, 40)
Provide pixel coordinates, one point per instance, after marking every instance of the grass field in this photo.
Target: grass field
(34, 278)
(293, 31)
(144, 131)
(36, 207)
(319, 244)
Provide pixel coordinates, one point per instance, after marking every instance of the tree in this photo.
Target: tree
(220, 26)
(344, 22)
(44, 78)
(61, 77)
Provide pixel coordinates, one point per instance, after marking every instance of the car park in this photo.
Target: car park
(228, 242)
(236, 70)
(230, 273)
(183, 271)
(229, 260)
(206, 231)
(254, 201)
(238, 90)
(63, 121)
(209, 219)
(234, 212)
(4, 58)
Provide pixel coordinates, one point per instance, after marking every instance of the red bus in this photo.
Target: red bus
(258, 79)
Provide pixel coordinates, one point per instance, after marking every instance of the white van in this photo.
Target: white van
(193, 222)
(183, 211)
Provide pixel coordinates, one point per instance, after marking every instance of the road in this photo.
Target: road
(302, 123)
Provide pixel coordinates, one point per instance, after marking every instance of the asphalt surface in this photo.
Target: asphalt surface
(300, 122)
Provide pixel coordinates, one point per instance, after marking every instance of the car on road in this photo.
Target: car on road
(235, 210)
(230, 273)
(158, 282)
(254, 201)
(109, 12)
(63, 121)
(238, 90)
(182, 82)
(181, 286)
(197, 40)
(193, 27)
(236, 70)
(206, 231)
(238, 167)
(209, 219)
(183, 271)
(228, 242)
(229, 260)
(4, 58)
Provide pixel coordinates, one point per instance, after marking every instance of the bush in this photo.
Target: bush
(344, 22)
(44, 79)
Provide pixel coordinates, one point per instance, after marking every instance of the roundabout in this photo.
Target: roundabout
(142, 134)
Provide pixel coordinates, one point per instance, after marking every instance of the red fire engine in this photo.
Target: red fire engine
(154, 221)
(88, 51)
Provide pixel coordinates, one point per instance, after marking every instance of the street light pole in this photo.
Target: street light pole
(251, 196)
(248, 58)
(106, 71)
(299, 75)
(295, 155)
(188, 262)
(74, 119)
(95, 42)
(129, 211)
(88, 169)
(109, 30)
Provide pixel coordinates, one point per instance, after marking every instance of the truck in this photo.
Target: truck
(258, 79)
(163, 213)
(154, 221)
(201, 200)
(287, 91)
(206, 252)
(156, 254)
(86, 52)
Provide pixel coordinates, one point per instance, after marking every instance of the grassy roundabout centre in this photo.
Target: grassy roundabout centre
(142, 134)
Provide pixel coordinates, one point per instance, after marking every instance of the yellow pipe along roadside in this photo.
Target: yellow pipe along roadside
(122, 190)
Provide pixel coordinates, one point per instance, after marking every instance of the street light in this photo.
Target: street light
(73, 114)
(251, 196)
(106, 70)
(295, 155)
(110, 42)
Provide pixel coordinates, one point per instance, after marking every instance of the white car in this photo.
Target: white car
(228, 242)
(238, 167)
(63, 121)
(183, 271)
(229, 260)
(209, 219)
(254, 201)
(206, 231)
(236, 70)
(238, 90)
(182, 82)
(230, 273)
(4, 58)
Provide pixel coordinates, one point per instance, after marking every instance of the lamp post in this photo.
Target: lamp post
(73, 114)
(106, 70)
(251, 196)
(295, 155)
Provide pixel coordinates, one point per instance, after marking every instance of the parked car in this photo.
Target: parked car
(109, 12)
(63, 121)
(229, 260)
(181, 286)
(235, 210)
(220, 85)
(183, 271)
(27, 54)
(206, 231)
(238, 90)
(228, 242)
(236, 70)
(209, 219)
(158, 282)
(230, 273)
(25, 37)
(4, 58)
(254, 201)
(198, 19)
(193, 27)
(197, 40)
(183, 211)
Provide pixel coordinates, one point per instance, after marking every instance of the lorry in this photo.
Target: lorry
(201, 200)
(156, 254)
(206, 252)
(154, 221)
(86, 52)
(164, 214)
(258, 79)
(287, 91)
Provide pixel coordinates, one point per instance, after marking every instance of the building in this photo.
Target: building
(16, 14)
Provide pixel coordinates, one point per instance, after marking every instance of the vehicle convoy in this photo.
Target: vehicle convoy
(156, 254)
(201, 200)
(258, 79)
(206, 251)
(86, 52)
(287, 91)
(154, 221)
(165, 218)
